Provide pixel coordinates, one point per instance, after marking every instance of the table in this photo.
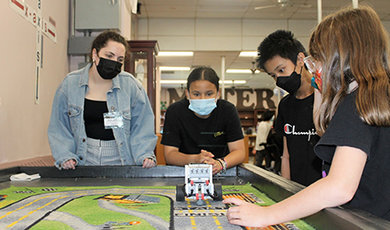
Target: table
(274, 186)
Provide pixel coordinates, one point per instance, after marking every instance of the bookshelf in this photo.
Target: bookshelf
(249, 118)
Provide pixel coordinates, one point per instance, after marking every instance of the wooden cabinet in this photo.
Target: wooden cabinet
(249, 118)
(141, 62)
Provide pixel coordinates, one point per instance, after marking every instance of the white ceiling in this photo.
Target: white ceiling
(240, 9)
(295, 9)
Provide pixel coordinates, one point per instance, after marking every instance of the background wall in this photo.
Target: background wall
(220, 34)
(23, 124)
(77, 61)
(217, 34)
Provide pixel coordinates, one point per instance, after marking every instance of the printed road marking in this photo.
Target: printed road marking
(8, 213)
(214, 217)
(192, 219)
(31, 212)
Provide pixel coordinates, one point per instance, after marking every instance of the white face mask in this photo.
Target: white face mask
(202, 106)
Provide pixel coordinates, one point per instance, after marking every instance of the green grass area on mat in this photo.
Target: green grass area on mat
(88, 209)
(161, 209)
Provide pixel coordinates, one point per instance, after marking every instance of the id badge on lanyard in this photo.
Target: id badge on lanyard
(113, 120)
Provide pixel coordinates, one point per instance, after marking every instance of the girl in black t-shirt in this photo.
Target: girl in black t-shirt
(350, 52)
(201, 128)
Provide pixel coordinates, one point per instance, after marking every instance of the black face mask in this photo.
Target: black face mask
(289, 83)
(108, 69)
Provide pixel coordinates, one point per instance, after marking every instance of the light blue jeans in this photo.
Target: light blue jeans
(101, 152)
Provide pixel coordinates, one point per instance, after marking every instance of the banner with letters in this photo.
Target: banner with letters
(32, 15)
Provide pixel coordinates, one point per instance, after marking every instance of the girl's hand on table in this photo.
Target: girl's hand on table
(69, 164)
(148, 163)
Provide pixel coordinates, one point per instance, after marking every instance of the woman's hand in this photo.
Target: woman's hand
(148, 163)
(69, 164)
(245, 214)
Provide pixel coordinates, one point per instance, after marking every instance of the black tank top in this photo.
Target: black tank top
(94, 120)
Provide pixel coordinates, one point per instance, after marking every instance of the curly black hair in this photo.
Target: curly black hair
(279, 43)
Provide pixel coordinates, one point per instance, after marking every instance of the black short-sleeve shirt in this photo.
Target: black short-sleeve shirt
(184, 130)
(347, 129)
(295, 122)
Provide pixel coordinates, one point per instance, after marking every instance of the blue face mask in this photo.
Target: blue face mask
(202, 106)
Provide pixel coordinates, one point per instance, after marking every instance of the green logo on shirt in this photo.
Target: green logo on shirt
(216, 134)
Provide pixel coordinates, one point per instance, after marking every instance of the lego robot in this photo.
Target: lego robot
(199, 184)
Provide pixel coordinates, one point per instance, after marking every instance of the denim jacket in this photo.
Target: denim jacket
(136, 140)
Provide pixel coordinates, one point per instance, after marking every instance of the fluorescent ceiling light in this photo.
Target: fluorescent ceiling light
(241, 71)
(185, 81)
(173, 68)
(248, 54)
(175, 53)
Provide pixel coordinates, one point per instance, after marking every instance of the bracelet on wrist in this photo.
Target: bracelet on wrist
(153, 159)
(220, 164)
(223, 164)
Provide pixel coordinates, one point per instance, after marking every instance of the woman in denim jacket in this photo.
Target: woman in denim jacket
(101, 115)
